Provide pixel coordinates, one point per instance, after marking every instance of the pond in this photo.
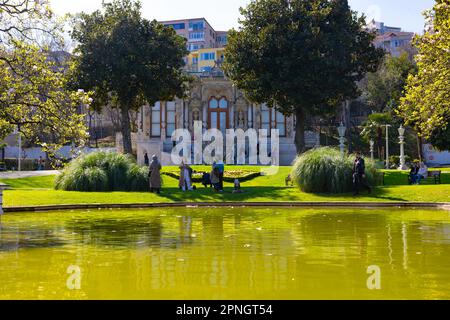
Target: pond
(226, 253)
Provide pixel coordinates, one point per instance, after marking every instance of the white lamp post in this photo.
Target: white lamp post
(341, 130)
(372, 144)
(401, 132)
(19, 142)
(387, 145)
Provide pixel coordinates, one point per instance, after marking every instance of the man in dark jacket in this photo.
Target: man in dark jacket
(359, 175)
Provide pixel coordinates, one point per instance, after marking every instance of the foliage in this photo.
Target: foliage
(324, 170)
(384, 88)
(426, 104)
(300, 56)
(103, 171)
(126, 60)
(31, 21)
(33, 97)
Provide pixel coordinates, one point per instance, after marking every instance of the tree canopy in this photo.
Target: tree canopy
(426, 105)
(124, 57)
(33, 97)
(300, 56)
(383, 89)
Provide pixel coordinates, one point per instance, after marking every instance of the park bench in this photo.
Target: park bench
(434, 175)
(2, 166)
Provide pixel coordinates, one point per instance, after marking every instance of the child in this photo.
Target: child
(237, 186)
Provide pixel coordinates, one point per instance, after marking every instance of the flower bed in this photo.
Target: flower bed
(229, 175)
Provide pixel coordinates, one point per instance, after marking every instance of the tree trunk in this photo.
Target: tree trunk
(300, 130)
(380, 142)
(126, 131)
(420, 147)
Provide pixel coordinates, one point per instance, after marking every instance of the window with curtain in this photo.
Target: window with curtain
(170, 118)
(272, 119)
(155, 129)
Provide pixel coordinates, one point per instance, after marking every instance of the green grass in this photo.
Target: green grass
(44, 182)
(38, 191)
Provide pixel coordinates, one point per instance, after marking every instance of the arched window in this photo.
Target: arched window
(218, 114)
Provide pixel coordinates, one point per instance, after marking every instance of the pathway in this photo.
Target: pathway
(26, 174)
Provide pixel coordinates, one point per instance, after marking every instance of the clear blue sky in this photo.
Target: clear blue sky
(223, 14)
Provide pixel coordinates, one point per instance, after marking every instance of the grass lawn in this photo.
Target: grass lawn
(39, 191)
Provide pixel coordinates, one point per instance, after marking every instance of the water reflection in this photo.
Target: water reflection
(12, 239)
(240, 253)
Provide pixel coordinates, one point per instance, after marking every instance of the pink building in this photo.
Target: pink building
(199, 33)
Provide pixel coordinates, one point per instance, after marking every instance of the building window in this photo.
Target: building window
(193, 47)
(155, 130)
(272, 119)
(222, 39)
(208, 56)
(197, 36)
(196, 25)
(177, 26)
(170, 118)
(195, 60)
(218, 114)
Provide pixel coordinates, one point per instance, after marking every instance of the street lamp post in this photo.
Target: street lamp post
(19, 142)
(341, 130)
(387, 145)
(401, 132)
(372, 144)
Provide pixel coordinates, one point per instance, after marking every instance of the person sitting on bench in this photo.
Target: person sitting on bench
(412, 177)
(422, 173)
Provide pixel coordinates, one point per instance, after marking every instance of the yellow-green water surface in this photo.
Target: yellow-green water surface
(225, 253)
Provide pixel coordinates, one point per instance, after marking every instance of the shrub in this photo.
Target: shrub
(324, 170)
(103, 171)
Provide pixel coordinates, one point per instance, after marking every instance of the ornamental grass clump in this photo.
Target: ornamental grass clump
(324, 170)
(102, 172)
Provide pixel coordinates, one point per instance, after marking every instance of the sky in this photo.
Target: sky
(224, 14)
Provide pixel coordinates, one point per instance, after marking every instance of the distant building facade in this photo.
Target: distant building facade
(198, 33)
(392, 39)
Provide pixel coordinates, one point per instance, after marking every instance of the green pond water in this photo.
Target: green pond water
(225, 253)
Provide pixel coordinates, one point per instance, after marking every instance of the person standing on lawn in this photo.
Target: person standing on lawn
(359, 175)
(221, 170)
(185, 182)
(154, 175)
(215, 178)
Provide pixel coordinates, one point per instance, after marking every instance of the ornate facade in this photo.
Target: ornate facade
(217, 104)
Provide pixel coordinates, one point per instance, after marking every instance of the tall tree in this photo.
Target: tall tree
(123, 57)
(426, 105)
(300, 56)
(33, 97)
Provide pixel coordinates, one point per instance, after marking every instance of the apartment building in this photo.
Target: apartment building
(392, 39)
(198, 33)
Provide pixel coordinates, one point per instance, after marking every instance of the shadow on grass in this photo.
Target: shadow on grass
(269, 194)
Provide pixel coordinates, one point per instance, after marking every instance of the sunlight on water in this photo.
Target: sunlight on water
(233, 253)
